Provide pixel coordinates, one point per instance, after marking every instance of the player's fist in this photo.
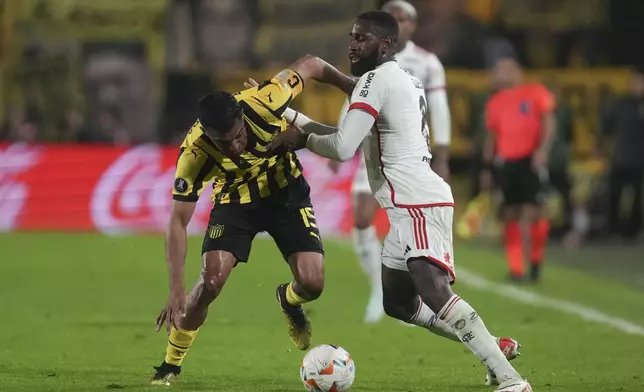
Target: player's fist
(293, 138)
(250, 83)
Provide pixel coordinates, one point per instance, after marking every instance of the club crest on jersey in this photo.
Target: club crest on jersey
(215, 231)
(180, 185)
(524, 107)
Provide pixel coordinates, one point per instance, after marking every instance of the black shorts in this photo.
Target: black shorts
(521, 184)
(287, 216)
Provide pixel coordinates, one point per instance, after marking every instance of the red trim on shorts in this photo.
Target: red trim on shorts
(366, 107)
(420, 228)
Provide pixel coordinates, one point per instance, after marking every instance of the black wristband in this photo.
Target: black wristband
(487, 166)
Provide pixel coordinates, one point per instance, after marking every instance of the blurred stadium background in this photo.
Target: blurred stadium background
(95, 96)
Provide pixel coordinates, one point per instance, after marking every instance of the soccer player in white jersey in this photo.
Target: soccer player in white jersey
(428, 69)
(387, 111)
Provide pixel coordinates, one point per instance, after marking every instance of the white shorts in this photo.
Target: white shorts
(420, 232)
(361, 180)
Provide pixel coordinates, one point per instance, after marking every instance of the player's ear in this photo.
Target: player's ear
(387, 44)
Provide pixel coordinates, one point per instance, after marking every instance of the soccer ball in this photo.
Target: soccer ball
(327, 368)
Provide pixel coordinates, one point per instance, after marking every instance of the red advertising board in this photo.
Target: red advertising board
(116, 190)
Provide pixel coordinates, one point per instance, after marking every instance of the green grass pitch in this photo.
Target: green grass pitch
(78, 315)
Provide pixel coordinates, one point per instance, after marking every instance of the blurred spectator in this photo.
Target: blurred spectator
(556, 33)
(560, 159)
(446, 30)
(20, 125)
(199, 32)
(624, 120)
(117, 79)
(107, 129)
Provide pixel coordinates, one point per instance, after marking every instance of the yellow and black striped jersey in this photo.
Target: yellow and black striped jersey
(255, 174)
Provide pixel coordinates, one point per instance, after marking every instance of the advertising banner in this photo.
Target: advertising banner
(116, 190)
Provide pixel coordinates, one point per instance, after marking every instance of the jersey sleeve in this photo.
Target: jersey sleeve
(545, 99)
(436, 75)
(278, 93)
(369, 94)
(343, 111)
(189, 177)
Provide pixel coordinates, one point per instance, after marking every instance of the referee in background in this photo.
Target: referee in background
(520, 124)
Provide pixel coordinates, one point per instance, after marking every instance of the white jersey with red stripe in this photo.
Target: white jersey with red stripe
(396, 151)
(427, 68)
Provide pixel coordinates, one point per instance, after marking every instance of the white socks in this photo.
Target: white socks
(470, 329)
(367, 246)
(425, 318)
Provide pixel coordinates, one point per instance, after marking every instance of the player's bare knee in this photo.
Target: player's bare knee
(432, 283)
(211, 286)
(216, 269)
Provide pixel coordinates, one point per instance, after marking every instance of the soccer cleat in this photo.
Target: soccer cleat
(515, 386)
(299, 327)
(166, 374)
(510, 349)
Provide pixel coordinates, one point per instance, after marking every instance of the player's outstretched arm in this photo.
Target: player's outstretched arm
(176, 246)
(339, 144)
(177, 240)
(313, 67)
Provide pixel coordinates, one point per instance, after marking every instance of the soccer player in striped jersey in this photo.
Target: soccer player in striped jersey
(253, 191)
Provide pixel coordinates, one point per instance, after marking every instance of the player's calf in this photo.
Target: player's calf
(432, 284)
(216, 269)
(308, 271)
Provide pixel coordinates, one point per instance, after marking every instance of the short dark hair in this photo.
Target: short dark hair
(218, 111)
(385, 23)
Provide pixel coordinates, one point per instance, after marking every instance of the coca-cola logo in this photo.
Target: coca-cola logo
(134, 195)
(15, 160)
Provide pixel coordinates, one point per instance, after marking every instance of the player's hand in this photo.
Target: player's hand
(174, 310)
(334, 165)
(293, 138)
(442, 169)
(485, 180)
(539, 159)
(250, 83)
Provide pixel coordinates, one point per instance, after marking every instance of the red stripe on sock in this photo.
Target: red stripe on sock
(447, 308)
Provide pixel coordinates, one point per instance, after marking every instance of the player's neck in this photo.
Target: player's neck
(386, 59)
